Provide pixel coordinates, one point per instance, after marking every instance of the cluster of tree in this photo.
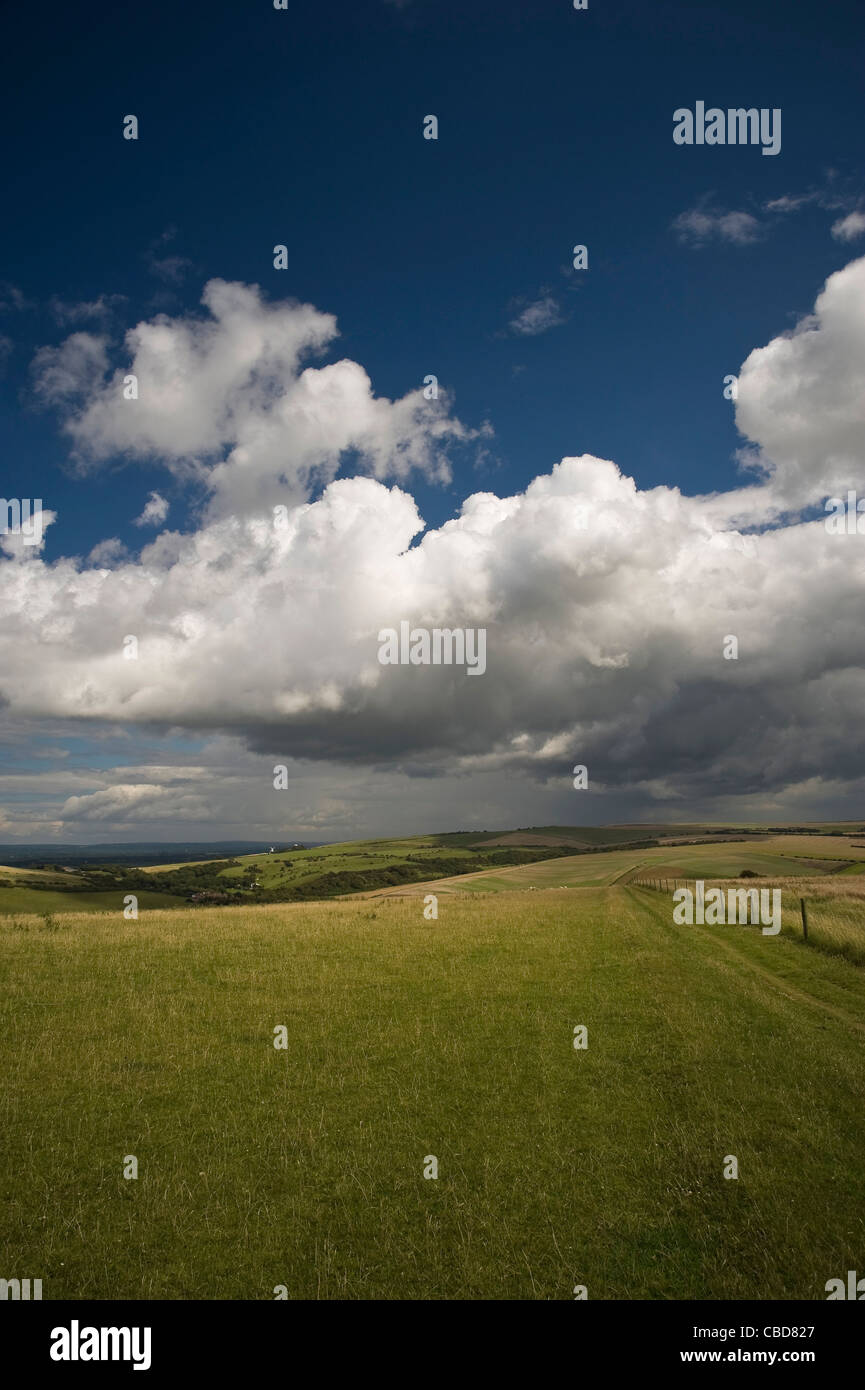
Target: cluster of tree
(488, 859)
(805, 830)
(191, 878)
(413, 869)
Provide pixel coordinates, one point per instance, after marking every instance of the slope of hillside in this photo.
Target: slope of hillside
(466, 861)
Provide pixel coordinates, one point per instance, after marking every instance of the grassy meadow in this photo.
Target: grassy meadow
(407, 1037)
(14, 900)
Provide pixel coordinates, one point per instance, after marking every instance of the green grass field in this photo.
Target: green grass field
(406, 1038)
(38, 900)
(299, 866)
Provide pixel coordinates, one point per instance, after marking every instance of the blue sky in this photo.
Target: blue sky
(304, 127)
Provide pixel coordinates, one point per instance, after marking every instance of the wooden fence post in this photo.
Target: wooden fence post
(804, 918)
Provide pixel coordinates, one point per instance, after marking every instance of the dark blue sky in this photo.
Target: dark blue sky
(304, 127)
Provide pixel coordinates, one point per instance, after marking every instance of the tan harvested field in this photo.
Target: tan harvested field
(781, 856)
(821, 846)
(57, 875)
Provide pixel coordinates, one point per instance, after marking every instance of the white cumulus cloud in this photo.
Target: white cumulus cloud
(606, 606)
(225, 396)
(850, 227)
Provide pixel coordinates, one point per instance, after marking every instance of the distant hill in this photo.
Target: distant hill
(593, 837)
(138, 851)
